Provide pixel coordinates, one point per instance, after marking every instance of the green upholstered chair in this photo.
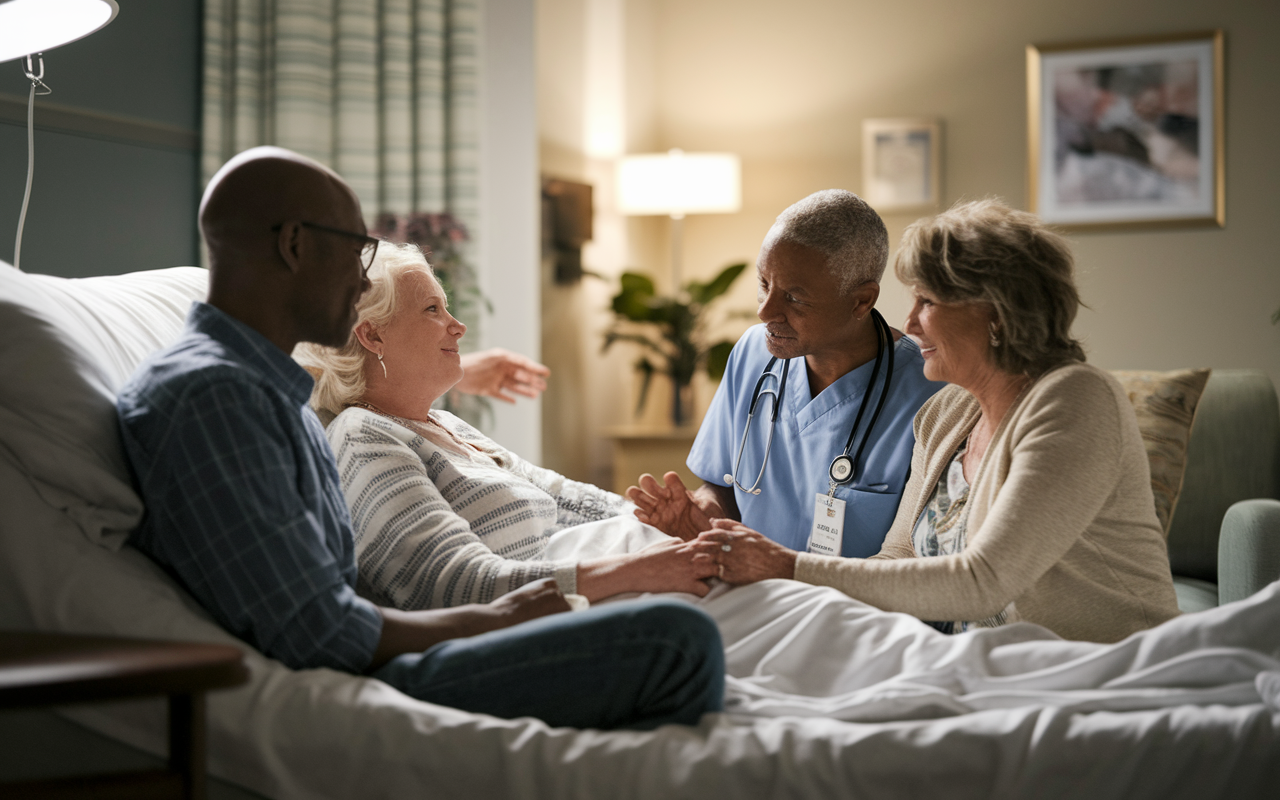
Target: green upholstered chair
(1224, 537)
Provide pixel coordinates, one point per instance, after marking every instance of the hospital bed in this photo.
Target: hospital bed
(1191, 709)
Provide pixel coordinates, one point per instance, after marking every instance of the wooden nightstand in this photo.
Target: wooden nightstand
(46, 669)
(640, 448)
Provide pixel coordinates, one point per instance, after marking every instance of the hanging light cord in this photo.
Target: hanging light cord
(36, 79)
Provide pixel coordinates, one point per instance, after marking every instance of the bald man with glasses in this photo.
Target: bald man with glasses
(245, 509)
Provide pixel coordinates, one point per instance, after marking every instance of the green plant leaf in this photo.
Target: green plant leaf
(632, 306)
(637, 282)
(718, 359)
(660, 310)
(635, 300)
(706, 292)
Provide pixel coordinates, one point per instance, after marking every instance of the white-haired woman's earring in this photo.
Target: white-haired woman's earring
(995, 340)
(382, 364)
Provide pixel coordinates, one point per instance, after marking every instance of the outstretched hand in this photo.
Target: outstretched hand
(496, 372)
(669, 506)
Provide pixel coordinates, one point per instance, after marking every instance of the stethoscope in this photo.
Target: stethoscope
(843, 467)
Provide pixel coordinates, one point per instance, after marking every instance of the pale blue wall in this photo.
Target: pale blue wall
(102, 207)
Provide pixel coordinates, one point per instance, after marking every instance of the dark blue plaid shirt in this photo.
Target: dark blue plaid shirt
(242, 495)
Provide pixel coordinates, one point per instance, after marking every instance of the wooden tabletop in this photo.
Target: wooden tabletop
(38, 669)
(684, 433)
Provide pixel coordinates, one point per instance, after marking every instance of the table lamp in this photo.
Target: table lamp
(676, 183)
(30, 27)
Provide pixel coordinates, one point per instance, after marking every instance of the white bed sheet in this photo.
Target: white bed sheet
(798, 650)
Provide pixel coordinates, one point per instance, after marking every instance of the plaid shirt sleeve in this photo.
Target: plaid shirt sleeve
(239, 520)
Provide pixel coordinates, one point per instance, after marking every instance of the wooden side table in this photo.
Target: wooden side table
(45, 669)
(640, 448)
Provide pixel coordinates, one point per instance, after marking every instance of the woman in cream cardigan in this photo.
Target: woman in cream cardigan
(443, 515)
(1029, 496)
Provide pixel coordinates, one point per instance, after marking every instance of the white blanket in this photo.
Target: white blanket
(798, 650)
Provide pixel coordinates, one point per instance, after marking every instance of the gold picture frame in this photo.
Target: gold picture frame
(1116, 133)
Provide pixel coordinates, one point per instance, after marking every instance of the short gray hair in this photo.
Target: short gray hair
(985, 252)
(842, 227)
(339, 371)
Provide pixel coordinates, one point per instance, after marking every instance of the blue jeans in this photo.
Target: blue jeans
(635, 664)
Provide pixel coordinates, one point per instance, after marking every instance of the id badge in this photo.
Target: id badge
(828, 526)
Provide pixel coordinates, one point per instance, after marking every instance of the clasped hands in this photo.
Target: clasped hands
(741, 555)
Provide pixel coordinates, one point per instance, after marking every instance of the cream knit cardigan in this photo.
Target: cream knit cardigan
(1061, 518)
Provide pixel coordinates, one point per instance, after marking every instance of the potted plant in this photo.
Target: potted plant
(671, 332)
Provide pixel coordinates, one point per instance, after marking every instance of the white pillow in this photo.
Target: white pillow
(69, 344)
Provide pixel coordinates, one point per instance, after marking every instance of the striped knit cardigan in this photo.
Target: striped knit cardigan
(435, 528)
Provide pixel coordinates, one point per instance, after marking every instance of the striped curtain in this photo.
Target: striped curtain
(382, 91)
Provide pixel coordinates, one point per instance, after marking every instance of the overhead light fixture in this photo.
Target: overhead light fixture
(27, 29)
(677, 183)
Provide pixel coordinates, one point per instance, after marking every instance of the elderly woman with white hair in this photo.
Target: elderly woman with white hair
(1029, 496)
(442, 515)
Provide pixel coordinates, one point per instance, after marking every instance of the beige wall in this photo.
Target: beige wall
(786, 85)
(588, 61)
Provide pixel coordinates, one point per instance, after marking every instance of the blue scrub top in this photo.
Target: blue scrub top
(811, 431)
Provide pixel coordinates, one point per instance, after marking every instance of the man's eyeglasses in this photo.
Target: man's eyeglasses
(367, 253)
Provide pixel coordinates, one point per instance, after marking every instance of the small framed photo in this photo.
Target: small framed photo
(1127, 133)
(901, 164)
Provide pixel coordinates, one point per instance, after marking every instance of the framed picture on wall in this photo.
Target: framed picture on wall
(1127, 133)
(901, 164)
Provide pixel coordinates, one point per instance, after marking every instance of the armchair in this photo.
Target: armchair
(1224, 542)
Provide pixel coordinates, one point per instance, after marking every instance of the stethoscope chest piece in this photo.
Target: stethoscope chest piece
(841, 469)
(728, 478)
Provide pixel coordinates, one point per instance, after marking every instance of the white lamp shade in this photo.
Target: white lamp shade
(34, 26)
(679, 183)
